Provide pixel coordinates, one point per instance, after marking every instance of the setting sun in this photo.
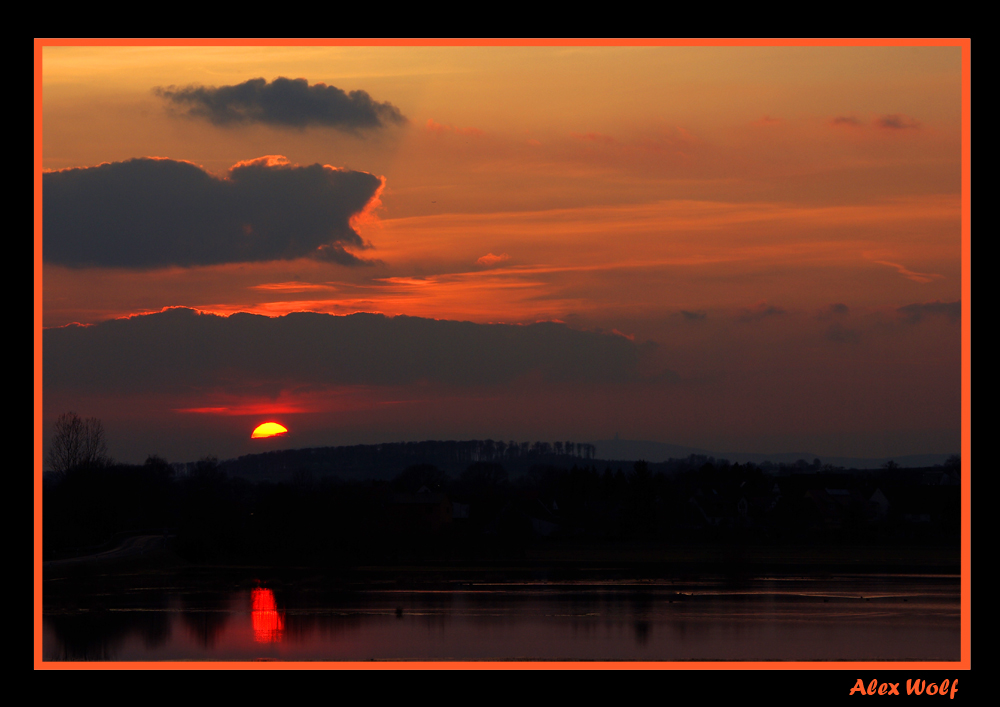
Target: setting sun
(268, 429)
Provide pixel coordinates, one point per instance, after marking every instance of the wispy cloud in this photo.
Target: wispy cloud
(834, 310)
(594, 137)
(841, 334)
(292, 286)
(441, 129)
(846, 121)
(897, 121)
(490, 259)
(762, 310)
(921, 277)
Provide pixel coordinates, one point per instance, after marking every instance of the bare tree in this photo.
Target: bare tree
(77, 442)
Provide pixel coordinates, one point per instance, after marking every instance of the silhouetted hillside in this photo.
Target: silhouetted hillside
(342, 506)
(628, 449)
(385, 461)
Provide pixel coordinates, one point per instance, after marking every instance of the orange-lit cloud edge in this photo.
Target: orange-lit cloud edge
(965, 660)
(497, 288)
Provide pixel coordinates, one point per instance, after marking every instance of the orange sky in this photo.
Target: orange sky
(716, 201)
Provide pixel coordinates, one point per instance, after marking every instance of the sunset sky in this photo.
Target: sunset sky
(751, 249)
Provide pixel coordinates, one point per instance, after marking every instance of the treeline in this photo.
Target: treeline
(385, 460)
(425, 511)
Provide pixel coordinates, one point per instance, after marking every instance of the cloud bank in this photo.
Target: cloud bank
(182, 350)
(154, 212)
(916, 312)
(290, 103)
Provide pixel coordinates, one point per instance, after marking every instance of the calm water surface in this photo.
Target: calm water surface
(840, 618)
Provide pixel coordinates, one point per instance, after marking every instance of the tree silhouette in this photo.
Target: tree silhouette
(484, 478)
(77, 442)
(418, 476)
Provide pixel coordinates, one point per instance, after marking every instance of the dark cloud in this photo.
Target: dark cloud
(761, 311)
(180, 350)
(335, 253)
(285, 103)
(916, 312)
(896, 122)
(842, 335)
(694, 316)
(834, 310)
(846, 120)
(152, 212)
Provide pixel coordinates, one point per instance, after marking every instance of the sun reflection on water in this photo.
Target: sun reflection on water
(267, 622)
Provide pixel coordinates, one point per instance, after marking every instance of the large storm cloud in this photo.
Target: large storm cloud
(285, 103)
(153, 212)
(183, 350)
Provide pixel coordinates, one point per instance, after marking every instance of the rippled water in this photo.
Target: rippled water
(840, 618)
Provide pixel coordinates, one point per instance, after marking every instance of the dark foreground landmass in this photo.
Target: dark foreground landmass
(562, 513)
(568, 557)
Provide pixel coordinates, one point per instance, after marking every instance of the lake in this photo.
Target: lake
(775, 618)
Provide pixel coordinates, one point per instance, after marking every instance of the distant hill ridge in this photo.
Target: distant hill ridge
(385, 461)
(656, 452)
